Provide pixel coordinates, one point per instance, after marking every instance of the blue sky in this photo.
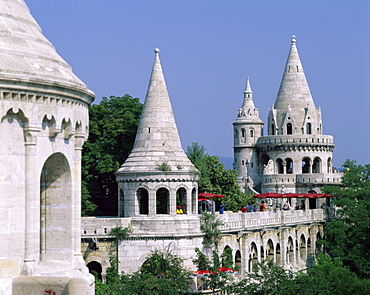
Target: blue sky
(209, 47)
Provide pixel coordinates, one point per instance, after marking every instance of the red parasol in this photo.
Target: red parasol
(210, 195)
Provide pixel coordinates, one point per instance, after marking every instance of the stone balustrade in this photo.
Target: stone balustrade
(259, 220)
(100, 227)
(297, 138)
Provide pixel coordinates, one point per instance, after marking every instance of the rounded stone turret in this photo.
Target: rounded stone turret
(157, 176)
(44, 123)
(248, 127)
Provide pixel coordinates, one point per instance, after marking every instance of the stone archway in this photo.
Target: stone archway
(56, 209)
(95, 268)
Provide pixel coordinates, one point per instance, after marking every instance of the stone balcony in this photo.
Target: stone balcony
(99, 227)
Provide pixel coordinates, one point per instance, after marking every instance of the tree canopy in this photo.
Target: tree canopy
(162, 273)
(113, 127)
(348, 236)
(214, 178)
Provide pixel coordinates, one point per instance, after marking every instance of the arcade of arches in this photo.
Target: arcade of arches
(287, 166)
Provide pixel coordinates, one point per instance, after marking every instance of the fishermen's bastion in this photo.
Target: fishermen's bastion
(46, 245)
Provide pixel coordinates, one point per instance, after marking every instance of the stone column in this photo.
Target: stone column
(284, 168)
(283, 248)
(78, 261)
(152, 202)
(189, 203)
(32, 203)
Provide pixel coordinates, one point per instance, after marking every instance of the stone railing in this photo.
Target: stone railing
(315, 178)
(296, 138)
(257, 220)
(100, 226)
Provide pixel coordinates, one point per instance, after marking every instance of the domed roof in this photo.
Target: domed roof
(26, 56)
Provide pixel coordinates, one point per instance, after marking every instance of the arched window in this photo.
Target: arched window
(272, 129)
(306, 165)
(227, 257)
(162, 201)
(279, 166)
(253, 256)
(96, 267)
(308, 128)
(181, 199)
(243, 134)
(143, 200)
(251, 133)
(289, 165)
(270, 250)
(316, 166)
(289, 129)
(329, 169)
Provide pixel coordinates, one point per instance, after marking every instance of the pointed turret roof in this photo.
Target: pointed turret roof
(248, 112)
(294, 88)
(26, 56)
(157, 140)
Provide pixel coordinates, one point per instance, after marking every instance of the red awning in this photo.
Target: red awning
(203, 273)
(291, 195)
(267, 195)
(209, 195)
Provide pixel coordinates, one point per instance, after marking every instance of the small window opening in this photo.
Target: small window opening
(148, 129)
(297, 69)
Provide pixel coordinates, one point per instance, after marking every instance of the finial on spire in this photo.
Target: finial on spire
(248, 89)
(294, 39)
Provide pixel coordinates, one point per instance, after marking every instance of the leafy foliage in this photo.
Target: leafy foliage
(348, 237)
(215, 179)
(327, 277)
(113, 126)
(120, 233)
(161, 274)
(209, 225)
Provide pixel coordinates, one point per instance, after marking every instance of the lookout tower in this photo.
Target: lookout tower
(295, 155)
(248, 127)
(157, 177)
(44, 123)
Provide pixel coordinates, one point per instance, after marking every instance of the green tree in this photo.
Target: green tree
(209, 225)
(214, 178)
(327, 277)
(265, 279)
(113, 126)
(161, 274)
(348, 236)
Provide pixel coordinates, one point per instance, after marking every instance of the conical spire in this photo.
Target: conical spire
(157, 142)
(27, 56)
(248, 112)
(294, 88)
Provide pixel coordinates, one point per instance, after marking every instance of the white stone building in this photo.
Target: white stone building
(295, 156)
(44, 123)
(157, 177)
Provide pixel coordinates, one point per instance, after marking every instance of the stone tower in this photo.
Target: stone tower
(157, 176)
(295, 155)
(44, 123)
(248, 127)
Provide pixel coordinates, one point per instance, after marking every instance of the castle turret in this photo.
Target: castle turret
(294, 111)
(295, 155)
(157, 176)
(248, 127)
